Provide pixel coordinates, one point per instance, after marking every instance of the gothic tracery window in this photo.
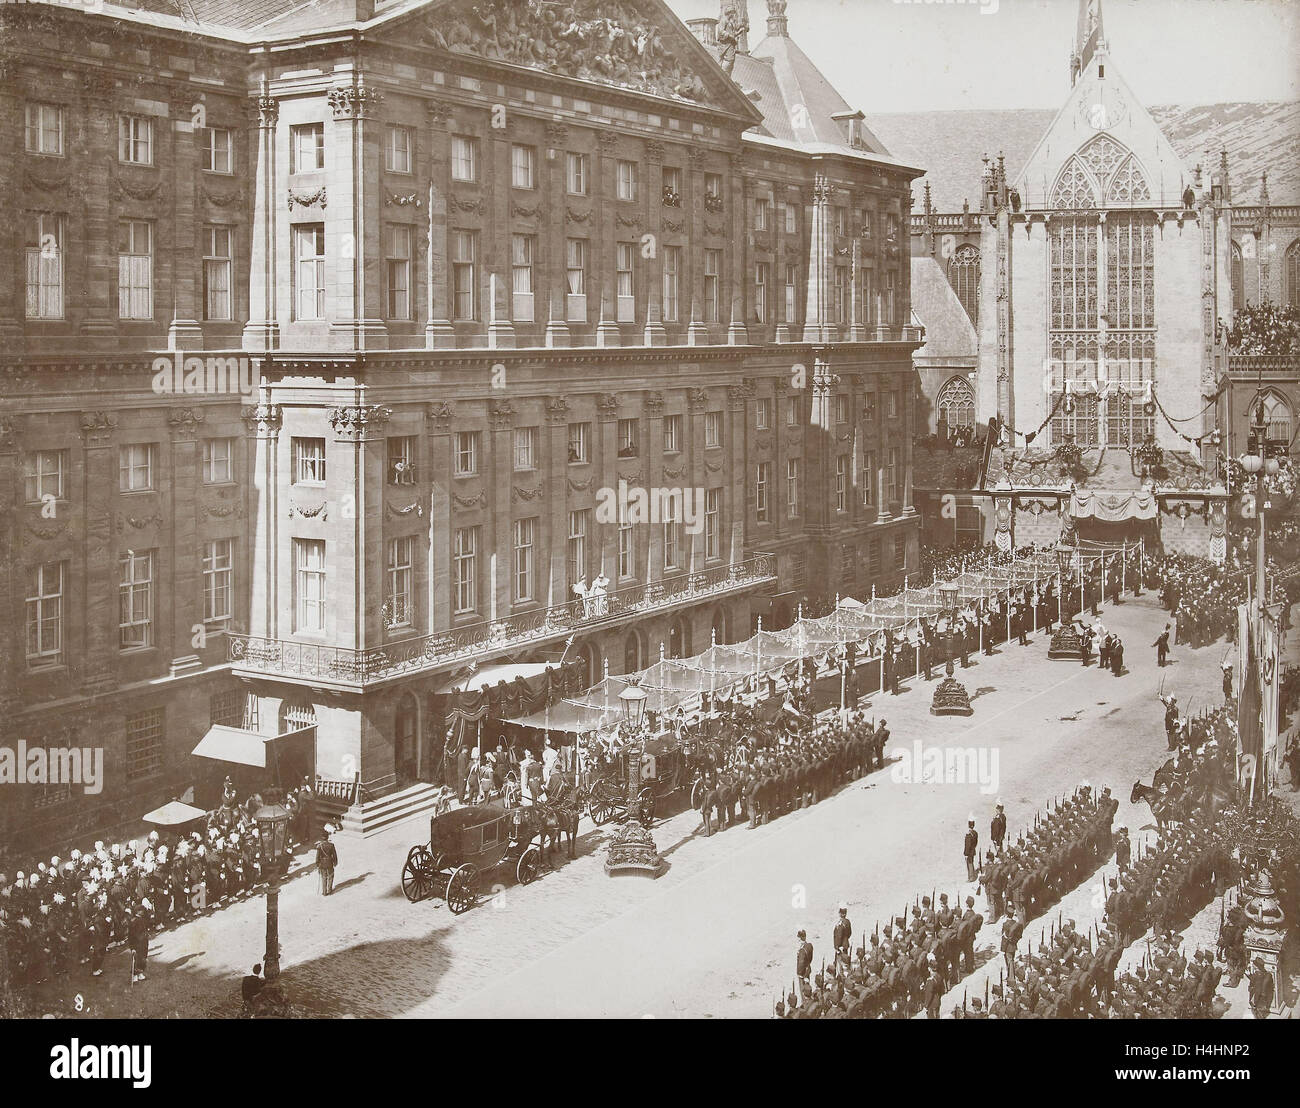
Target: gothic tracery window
(1102, 155)
(1074, 188)
(1291, 272)
(964, 276)
(1277, 418)
(1128, 185)
(1236, 278)
(956, 404)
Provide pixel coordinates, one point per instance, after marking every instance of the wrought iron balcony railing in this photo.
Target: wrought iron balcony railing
(296, 659)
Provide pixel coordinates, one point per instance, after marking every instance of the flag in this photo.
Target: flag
(1250, 734)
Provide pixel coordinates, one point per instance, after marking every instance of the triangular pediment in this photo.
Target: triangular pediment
(636, 46)
(1102, 150)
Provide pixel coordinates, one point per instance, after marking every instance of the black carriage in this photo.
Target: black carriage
(466, 844)
(660, 771)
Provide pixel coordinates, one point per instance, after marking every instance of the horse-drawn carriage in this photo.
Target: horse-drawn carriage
(467, 843)
(661, 769)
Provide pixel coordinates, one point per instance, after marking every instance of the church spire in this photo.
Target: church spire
(1087, 38)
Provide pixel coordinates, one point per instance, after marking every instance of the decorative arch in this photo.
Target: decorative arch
(1291, 275)
(679, 638)
(956, 403)
(1236, 277)
(1128, 185)
(1075, 188)
(720, 624)
(964, 276)
(1102, 155)
(589, 654)
(1278, 417)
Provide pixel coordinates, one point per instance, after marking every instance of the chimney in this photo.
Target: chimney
(705, 29)
(365, 10)
(777, 25)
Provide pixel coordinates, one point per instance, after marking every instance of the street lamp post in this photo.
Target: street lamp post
(273, 827)
(633, 852)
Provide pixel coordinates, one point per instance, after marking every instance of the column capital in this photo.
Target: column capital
(354, 101)
(98, 428)
(262, 420)
(184, 423)
(440, 413)
(355, 424)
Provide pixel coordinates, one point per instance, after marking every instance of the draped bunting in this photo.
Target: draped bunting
(1113, 508)
(519, 697)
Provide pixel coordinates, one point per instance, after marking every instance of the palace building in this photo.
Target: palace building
(328, 330)
(1079, 289)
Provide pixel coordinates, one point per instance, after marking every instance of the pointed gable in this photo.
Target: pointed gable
(637, 45)
(1103, 143)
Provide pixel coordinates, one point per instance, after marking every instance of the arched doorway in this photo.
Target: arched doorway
(679, 639)
(406, 741)
(631, 652)
(720, 627)
(589, 657)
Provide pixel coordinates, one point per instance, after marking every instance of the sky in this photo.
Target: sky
(925, 55)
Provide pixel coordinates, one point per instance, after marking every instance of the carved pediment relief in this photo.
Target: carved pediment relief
(632, 44)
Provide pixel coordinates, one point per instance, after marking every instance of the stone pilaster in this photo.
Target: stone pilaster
(354, 561)
(13, 306)
(186, 223)
(818, 325)
(498, 468)
(101, 588)
(550, 244)
(185, 425)
(262, 331)
(655, 332)
(263, 421)
(438, 331)
(438, 419)
(99, 269)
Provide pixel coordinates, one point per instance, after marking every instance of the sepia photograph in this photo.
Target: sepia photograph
(944, 675)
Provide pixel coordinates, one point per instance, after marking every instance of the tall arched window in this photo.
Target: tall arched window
(631, 653)
(679, 639)
(956, 404)
(1291, 275)
(1277, 418)
(1235, 277)
(964, 276)
(720, 624)
(590, 664)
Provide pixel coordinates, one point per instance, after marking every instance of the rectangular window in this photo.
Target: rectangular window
(790, 225)
(579, 442)
(627, 438)
(306, 147)
(891, 475)
(45, 129)
(227, 708)
(523, 161)
(45, 614)
(841, 221)
(522, 250)
(579, 522)
(760, 292)
(575, 270)
(465, 569)
(525, 448)
(397, 267)
(308, 461)
(792, 488)
(463, 280)
(44, 265)
(672, 519)
(712, 271)
(576, 173)
(525, 536)
(218, 579)
(218, 461)
(216, 272)
(873, 558)
(761, 206)
(144, 744)
(626, 548)
(841, 408)
(135, 139)
(43, 475)
(762, 479)
(309, 584)
(627, 180)
(891, 404)
(218, 150)
(466, 453)
(793, 412)
(397, 150)
(625, 253)
(672, 273)
(135, 596)
(401, 459)
(841, 294)
(309, 269)
(135, 463)
(713, 186)
(712, 429)
(869, 477)
(900, 551)
(672, 185)
(712, 521)
(791, 293)
(401, 595)
(762, 413)
(891, 291)
(464, 158)
(672, 433)
(135, 269)
(842, 483)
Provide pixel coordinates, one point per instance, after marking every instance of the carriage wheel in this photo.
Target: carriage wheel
(416, 884)
(529, 863)
(696, 791)
(601, 810)
(462, 890)
(647, 803)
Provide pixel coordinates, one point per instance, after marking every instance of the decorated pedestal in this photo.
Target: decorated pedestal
(950, 697)
(1265, 930)
(633, 852)
(1065, 643)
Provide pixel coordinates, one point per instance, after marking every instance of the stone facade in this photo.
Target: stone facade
(341, 223)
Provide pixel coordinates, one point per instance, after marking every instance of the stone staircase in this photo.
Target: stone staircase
(369, 818)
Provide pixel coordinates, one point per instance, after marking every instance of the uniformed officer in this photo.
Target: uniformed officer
(969, 847)
(842, 935)
(998, 827)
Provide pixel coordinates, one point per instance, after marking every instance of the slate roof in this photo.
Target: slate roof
(1257, 136)
(949, 332)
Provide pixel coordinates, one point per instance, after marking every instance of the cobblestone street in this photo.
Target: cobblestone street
(715, 935)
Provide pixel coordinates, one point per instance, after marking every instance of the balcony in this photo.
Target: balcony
(352, 670)
(1264, 365)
